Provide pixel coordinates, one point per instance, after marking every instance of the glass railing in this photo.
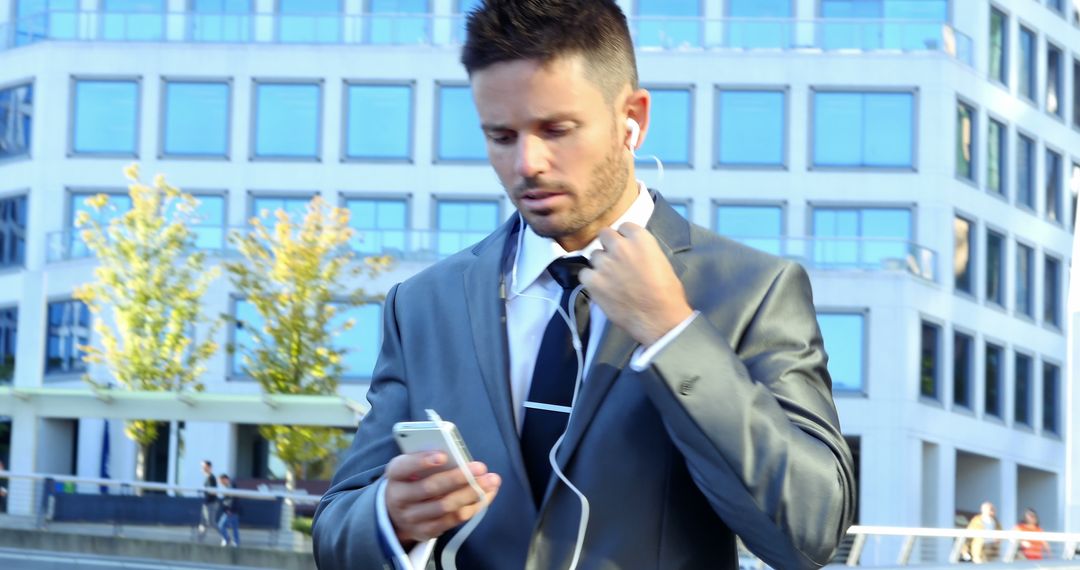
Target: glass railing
(650, 33)
(867, 254)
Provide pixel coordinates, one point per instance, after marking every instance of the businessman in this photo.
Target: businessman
(703, 410)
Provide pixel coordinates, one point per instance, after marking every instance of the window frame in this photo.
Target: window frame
(634, 18)
(863, 391)
(163, 99)
(1056, 324)
(1004, 171)
(976, 144)
(368, 16)
(345, 196)
(1033, 169)
(1034, 98)
(437, 129)
(1032, 279)
(970, 385)
(61, 375)
(253, 122)
(1059, 399)
(939, 351)
(439, 197)
(645, 162)
(254, 194)
(1003, 304)
(189, 12)
(975, 249)
(785, 136)
(1002, 400)
(1017, 353)
(277, 21)
(23, 193)
(11, 306)
(73, 83)
(1062, 185)
(343, 152)
(716, 203)
(811, 131)
(1006, 45)
(15, 84)
(1062, 90)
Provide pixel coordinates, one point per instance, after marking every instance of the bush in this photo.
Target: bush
(302, 524)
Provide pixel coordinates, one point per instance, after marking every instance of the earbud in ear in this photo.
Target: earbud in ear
(635, 131)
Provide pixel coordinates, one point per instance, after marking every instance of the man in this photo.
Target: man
(228, 514)
(1032, 549)
(705, 409)
(206, 516)
(983, 550)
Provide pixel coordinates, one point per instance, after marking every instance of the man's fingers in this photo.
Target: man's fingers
(630, 229)
(407, 467)
(455, 501)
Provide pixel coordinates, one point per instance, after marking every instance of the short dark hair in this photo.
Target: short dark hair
(508, 30)
(207, 462)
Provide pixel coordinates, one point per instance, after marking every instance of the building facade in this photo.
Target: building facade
(920, 157)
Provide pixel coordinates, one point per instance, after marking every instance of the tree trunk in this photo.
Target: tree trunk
(290, 538)
(140, 466)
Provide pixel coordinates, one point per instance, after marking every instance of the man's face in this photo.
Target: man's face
(206, 468)
(557, 145)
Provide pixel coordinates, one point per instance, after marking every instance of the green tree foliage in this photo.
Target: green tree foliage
(147, 296)
(294, 274)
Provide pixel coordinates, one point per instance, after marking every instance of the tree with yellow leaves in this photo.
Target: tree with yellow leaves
(147, 296)
(295, 275)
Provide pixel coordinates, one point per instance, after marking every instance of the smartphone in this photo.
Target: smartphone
(441, 435)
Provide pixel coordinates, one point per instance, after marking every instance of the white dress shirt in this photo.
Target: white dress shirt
(532, 296)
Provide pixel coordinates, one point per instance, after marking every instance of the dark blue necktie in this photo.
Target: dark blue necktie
(554, 376)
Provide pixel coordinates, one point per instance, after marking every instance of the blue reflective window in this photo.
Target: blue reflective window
(670, 128)
(995, 268)
(266, 207)
(844, 343)
(994, 371)
(220, 20)
(770, 30)
(752, 128)
(117, 205)
(67, 329)
(999, 46)
(1051, 292)
(380, 224)
(1026, 61)
(9, 336)
(209, 223)
(1051, 397)
(930, 361)
(1055, 81)
(287, 120)
(668, 23)
(963, 254)
(106, 117)
(460, 137)
(133, 20)
(196, 119)
(16, 116)
(1024, 390)
(1025, 171)
(464, 7)
(309, 21)
(995, 157)
(40, 19)
(759, 227)
(963, 369)
(867, 130)
(869, 237)
(681, 208)
(379, 122)
(13, 219)
(361, 342)
(461, 223)
(965, 141)
(888, 24)
(398, 22)
(1025, 280)
(1054, 185)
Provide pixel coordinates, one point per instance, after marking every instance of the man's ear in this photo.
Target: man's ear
(637, 107)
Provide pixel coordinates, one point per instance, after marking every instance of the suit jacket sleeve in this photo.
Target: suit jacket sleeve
(758, 428)
(345, 532)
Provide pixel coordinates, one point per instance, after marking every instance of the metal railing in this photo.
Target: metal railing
(907, 538)
(854, 253)
(666, 33)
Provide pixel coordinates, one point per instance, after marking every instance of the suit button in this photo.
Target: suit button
(688, 385)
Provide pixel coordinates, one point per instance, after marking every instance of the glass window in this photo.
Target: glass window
(962, 359)
(464, 7)
(16, 114)
(1076, 92)
(1026, 60)
(770, 30)
(379, 122)
(867, 237)
(9, 334)
(863, 129)
(929, 360)
(40, 19)
(864, 24)
(209, 223)
(266, 207)
(287, 120)
(106, 117)
(995, 157)
(995, 268)
(670, 128)
(1051, 396)
(133, 20)
(681, 208)
(1025, 272)
(196, 120)
(398, 22)
(380, 224)
(752, 128)
(309, 21)
(117, 205)
(1074, 191)
(760, 227)
(844, 343)
(362, 341)
(1055, 79)
(1023, 389)
(1051, 291)
(999, 33)
(963, 254)
(461, 223)
(220, 20)
(459, 136)
(668, 23)
(965, 141)
(1025, 171)
(13, 220)
(993, 394)
(68, 328)
(1053, 186)
(1056, 5)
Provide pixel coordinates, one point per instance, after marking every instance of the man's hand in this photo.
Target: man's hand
(423, 504)
(635, 284)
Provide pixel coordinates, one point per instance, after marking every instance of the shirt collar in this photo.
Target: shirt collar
(538, 252)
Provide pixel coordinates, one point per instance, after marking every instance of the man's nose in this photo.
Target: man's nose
(532, 156)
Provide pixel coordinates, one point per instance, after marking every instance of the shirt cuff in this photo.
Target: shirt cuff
(643, 356)
(418, 556)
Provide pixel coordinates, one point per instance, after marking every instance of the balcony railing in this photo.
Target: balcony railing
(663, 33)
(825, 253)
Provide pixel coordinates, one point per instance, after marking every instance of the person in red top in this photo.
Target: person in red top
(1032, 549)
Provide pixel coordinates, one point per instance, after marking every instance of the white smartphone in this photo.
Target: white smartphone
(440, 435)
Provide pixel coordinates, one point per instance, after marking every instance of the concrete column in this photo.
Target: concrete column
(22, 498)
(1068, 385)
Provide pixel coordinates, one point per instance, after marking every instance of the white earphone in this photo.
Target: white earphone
(635, 131)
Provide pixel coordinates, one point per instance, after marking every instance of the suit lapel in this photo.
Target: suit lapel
(485, 304)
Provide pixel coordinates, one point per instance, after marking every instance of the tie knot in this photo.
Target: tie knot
(565, 270)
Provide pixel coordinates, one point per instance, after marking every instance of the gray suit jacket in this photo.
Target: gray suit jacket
(731, 431)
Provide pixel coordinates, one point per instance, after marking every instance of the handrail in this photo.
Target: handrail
(960, 536)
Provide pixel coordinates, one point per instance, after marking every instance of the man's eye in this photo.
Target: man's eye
(500, 138)
(557, 131)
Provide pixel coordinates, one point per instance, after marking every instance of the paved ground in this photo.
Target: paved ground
(40, 560)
